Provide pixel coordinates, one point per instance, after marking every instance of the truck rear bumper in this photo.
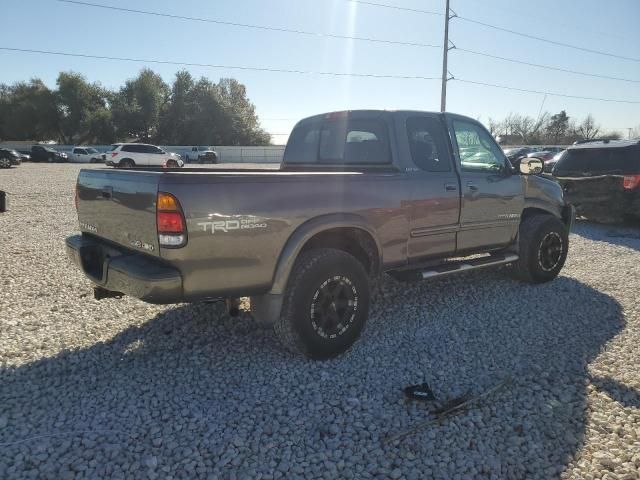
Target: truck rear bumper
(120, 270)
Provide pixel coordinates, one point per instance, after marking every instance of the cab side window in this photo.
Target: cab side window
(478, 151)
(428, 147)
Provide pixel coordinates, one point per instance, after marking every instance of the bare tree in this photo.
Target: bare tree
(588, 130)
(494, 127)
(529, 128)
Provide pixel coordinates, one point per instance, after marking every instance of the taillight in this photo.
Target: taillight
(172, 228)
(170, 222)
(113, 154)
(631, 181)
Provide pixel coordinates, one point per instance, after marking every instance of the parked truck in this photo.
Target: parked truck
(416, 195)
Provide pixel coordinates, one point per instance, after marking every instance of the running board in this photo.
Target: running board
(449, 268)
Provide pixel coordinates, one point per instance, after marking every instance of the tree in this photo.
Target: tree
(557, 126)
(136, 107)
(588, 130)
(27, 111)
(529, 128)
(189, 112)
(81, 108)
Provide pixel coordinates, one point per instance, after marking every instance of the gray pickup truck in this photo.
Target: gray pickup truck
(416, 195)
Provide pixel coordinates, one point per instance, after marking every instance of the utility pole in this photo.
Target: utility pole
(445, 57)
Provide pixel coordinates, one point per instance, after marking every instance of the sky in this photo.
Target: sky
(283, 98)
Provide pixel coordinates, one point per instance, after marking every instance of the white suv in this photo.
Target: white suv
(128, 155)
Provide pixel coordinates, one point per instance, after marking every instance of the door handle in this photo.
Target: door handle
(450, 187)
(472, 186)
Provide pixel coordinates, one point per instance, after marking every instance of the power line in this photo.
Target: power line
(553, 94)
(248, 25)
(547, 67)
(226, 67)
(551, 20)
(553, 42)
(395, 7)
(338, 36)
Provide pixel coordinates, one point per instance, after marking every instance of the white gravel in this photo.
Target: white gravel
(122, 389)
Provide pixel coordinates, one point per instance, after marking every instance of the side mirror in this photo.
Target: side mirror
(531, 166)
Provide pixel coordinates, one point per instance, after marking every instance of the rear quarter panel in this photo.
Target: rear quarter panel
(238, 224)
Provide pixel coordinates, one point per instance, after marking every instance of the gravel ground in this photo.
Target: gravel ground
(122, 389)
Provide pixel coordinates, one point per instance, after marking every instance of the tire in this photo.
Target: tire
(5, 163)
(172, 164)
(126, 163)
(50, 159)
(310, 323)
(544, 244)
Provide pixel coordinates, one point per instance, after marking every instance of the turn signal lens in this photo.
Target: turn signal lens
(167, 202)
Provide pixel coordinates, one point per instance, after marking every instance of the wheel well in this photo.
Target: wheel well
(354, 241)
(531, 211)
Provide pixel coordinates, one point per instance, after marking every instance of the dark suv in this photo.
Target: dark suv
(40, 153)
(602, 179)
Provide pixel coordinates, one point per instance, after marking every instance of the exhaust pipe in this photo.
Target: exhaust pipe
(100, 293)
(233, 306)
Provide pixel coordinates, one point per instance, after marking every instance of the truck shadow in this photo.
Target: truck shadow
(625, 235)
(194, 379)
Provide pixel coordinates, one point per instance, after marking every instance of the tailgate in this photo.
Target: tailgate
(120, 206)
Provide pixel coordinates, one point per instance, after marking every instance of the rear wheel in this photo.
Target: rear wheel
(5, 163)
(126, 163)
(326, 304)
(544, 244)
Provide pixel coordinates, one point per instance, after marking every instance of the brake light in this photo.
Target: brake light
(172, 229)
(170, 222)
(113, 154)
(631, 181)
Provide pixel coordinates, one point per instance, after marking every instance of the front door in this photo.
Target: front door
(435, 190)
(492, 194)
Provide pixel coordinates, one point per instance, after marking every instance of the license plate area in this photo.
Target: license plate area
(93, 259)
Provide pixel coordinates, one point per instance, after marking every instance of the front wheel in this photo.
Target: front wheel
(544, 244)
(126, 163)
(326, 304)
(5, 163)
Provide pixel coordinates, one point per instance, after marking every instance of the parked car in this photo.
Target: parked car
(516, 154)
(41, 153)
(85, 155)
(358, 193)
(549, 164)
(129, 155)
(9, 158)
(543, 155)
(202, 155)
(602, 179)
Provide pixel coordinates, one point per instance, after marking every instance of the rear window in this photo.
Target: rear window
(600, 161)
(341, 141)
(112, 148)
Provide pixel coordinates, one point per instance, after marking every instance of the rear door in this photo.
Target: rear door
(492, 194)
(435, 190)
